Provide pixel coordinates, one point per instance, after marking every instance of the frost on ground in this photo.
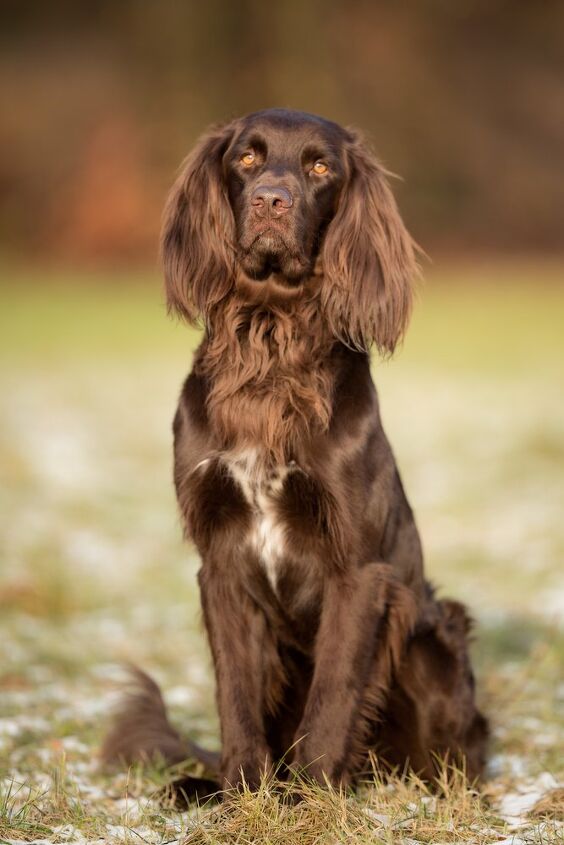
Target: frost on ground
(93, 571)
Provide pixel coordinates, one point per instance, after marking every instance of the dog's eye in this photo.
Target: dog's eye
(320, 168)
(248, 158)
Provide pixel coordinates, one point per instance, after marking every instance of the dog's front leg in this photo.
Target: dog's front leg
(235, 627)
(365, 620)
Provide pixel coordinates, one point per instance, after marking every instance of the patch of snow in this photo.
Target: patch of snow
(179, 696)
(507, 764)
(514, 805)
(381, 818)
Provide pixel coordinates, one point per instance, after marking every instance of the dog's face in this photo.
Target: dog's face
(267, 199)
(284, 172)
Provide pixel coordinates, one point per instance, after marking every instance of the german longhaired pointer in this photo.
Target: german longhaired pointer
(281, 235)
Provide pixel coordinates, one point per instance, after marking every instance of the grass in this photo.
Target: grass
(93, 569)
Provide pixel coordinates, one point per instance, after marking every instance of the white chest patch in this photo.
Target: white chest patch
(262, 487)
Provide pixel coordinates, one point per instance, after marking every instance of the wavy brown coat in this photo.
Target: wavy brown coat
(281, 234)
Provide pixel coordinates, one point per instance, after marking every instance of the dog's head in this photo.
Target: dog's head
(276, 195)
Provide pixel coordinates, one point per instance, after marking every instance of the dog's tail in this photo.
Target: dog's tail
(141, 731)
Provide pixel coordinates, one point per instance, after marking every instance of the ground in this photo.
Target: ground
(93, 569)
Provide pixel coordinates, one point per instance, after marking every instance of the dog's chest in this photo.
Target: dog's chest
(263, 486)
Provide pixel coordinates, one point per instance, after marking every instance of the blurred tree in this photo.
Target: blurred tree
(464, 100)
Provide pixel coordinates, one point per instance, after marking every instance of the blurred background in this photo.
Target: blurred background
(99, 102)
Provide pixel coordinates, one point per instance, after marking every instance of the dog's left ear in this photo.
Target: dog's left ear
(368, 258)
(198, 230)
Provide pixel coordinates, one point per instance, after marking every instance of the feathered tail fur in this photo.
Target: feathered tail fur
(141, 731)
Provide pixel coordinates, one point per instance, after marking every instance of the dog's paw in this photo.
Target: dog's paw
(188, 789)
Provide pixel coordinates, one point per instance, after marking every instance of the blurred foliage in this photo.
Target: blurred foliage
(101, 100)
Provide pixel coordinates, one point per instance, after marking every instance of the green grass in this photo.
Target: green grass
(93, 569)
(494, 317)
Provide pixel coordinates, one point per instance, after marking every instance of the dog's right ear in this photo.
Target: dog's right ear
(198, 230)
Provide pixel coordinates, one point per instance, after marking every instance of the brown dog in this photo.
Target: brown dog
(281, 235)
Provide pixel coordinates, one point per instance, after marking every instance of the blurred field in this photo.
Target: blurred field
(93, 569)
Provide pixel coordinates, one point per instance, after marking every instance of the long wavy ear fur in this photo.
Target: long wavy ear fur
(368, 258)
(197, 238)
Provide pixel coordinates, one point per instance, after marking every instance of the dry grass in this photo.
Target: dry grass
(298, 813)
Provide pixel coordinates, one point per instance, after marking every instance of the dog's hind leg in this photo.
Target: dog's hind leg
(431, 714)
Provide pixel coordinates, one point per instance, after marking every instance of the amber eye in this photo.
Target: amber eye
(320, 168)
(248, 158)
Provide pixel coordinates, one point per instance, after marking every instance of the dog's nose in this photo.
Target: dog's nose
(271, 201)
